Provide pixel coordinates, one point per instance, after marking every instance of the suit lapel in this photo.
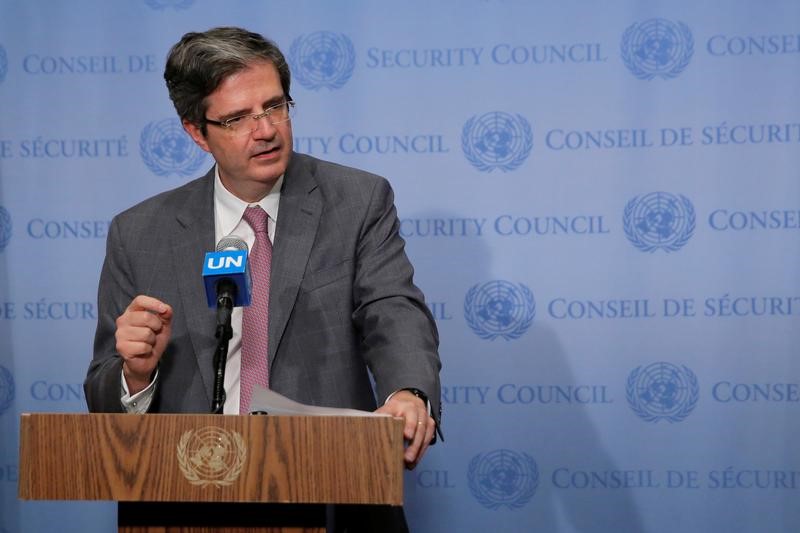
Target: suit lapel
(298, 218)
(193, 237)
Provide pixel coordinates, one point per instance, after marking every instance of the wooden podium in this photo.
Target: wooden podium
(213, 473)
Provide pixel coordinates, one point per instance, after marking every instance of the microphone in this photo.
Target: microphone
(227, 282)
(225, 273)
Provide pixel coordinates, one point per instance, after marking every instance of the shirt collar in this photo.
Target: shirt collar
(230, 209)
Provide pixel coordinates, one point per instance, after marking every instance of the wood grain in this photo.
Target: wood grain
(125, 457)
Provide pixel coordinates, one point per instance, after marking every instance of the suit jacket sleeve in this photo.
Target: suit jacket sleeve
(103, 387)
(399, 336)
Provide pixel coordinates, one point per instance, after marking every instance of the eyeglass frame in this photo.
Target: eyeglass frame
(226, 124)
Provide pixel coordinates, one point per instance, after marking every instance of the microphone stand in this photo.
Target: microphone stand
(226, 291)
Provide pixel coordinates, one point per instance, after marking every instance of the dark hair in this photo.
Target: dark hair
(199, 62)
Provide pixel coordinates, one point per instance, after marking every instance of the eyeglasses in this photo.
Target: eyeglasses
(244, 124)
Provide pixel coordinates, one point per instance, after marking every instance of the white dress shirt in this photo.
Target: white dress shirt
(228, 212)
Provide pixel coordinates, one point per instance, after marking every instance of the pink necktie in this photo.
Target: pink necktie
(255, 320)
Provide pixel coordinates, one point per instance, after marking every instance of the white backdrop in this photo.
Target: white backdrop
(600, 199)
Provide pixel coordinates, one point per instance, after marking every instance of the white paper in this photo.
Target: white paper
(272, 403)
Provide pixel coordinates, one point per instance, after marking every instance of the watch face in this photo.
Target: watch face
(419, 394)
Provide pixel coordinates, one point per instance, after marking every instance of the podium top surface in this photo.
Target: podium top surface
(214, 458)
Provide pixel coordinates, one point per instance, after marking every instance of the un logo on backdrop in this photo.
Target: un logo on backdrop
(3, 64)
(322, 59)
(662, 391)
(5, 228)
(499, 309)
(167, 149)
(659, 220)
(497, 140)
(503, 478)
(163, 4)
(6, 389)
(657, 47)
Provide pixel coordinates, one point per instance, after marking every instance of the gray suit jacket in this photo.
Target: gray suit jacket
(342, 299)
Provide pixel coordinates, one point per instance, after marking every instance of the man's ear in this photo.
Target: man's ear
(196, 134)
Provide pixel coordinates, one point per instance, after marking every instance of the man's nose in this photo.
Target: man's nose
(264, 128)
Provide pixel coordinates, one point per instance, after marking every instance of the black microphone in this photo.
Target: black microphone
(227, 282)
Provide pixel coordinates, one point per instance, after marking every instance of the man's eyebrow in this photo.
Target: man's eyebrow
(275, 101)
(234, 114)
(243, 112)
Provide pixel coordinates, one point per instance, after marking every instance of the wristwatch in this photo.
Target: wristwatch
(424, 397)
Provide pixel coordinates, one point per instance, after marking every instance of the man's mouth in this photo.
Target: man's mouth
(267, 152)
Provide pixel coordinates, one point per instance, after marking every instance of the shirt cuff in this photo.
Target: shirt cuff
(140, 402)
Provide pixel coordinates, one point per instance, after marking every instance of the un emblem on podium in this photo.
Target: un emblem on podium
(211, 456)
(499, 309)
(322, 59)
(662, 391)
(659, 220)
(3, 64)
(503, 478)
(497, 140)
(6, 389)
(5, 228)
(657, 47)
(167, 149)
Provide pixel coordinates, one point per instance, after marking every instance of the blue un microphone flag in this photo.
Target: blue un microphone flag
(231, 265)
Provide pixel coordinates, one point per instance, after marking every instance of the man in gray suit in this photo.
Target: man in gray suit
(341, 302)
